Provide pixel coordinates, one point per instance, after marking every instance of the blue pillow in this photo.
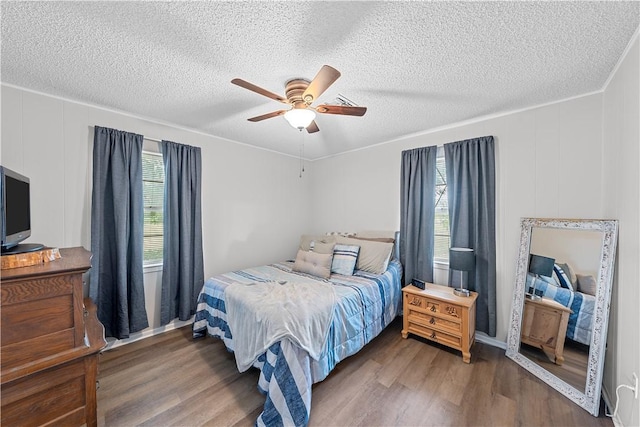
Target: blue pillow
(344, 259)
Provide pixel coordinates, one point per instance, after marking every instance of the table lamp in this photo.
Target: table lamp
(539, 266)
(462, 259)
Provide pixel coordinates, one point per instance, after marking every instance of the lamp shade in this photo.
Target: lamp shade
(541, 265)
(462, 259)
(300, 118)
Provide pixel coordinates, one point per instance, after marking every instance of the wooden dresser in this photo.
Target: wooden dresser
(50, 344)
(436, 314)
(544, 326)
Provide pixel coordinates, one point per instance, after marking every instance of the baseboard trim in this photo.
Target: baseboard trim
(486, 339)
(175, 324)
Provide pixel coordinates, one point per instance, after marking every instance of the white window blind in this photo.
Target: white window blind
(153, 194)
(441, 226)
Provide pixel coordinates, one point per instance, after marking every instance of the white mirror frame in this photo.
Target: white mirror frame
(589, 398)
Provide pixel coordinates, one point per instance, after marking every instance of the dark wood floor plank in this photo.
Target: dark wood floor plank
(174, 380)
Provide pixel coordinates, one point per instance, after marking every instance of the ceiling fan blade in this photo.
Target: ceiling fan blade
(267, 116)
(325, 78)
(259, 90)
(313, 127)
(341, 109)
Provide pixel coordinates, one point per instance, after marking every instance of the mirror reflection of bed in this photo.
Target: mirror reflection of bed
(568, 292)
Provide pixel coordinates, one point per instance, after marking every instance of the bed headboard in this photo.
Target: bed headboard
(396, 245)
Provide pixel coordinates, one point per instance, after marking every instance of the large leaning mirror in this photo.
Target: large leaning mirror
(560, 308)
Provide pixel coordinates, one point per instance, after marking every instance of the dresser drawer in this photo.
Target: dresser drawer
(435, 335)
(434, 321)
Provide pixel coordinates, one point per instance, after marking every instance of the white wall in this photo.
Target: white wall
(548, 163)
(255, 206)
(580, 249)
(621, 184)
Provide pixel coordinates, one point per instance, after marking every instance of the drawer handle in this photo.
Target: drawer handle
(415, 301)
(452, 311)
(432, 321)
(433, 335)
(433, 308)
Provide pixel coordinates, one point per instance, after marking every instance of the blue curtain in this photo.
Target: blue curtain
(183, 267)
(417, 212)
(472, 218)
(116, 280)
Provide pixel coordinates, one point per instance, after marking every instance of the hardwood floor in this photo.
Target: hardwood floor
(173, 380)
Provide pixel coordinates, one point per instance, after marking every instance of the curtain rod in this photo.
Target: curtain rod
(151, 139)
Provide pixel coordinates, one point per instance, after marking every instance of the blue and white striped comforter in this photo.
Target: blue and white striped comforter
(366, 304)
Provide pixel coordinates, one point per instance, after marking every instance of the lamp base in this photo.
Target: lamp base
(533, 297)
(461, 292)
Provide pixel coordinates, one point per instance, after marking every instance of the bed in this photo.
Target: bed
(562, 289)
(365, 303)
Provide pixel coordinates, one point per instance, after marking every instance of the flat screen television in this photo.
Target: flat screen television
(15, 212)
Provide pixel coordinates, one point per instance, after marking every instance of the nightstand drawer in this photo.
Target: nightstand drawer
(416, 301)
(434, 306)
(435, 335)
(433, 321)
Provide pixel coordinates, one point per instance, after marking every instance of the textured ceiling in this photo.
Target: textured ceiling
(415, 65)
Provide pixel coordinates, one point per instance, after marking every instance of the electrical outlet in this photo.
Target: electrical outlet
(635, 385)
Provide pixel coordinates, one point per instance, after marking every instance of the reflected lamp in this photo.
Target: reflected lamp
(539, 266)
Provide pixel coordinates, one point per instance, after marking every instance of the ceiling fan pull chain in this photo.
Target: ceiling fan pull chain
(301, 167)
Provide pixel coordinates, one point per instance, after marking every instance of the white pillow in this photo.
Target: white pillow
(341, 233)
(313, 263)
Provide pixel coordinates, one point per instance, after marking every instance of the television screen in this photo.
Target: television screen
(17, 214)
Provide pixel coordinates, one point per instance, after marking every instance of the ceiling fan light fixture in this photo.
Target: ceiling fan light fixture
(300, 118)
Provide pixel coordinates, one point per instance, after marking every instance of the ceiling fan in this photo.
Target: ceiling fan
(300, 94)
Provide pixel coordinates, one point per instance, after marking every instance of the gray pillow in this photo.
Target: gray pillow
(586, 284)
(570, 273)
(306, 239)
(373, 257)
(320, 247)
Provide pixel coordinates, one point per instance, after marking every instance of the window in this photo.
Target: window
(441, 226)
(153, 194)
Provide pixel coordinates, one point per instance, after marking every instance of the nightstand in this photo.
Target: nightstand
(544, 326)
(436, 314)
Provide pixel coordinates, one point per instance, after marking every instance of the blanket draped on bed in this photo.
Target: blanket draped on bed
(365, 304)
(262, 313)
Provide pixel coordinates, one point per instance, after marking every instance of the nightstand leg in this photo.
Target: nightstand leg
(405, 334)
(466, 357)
